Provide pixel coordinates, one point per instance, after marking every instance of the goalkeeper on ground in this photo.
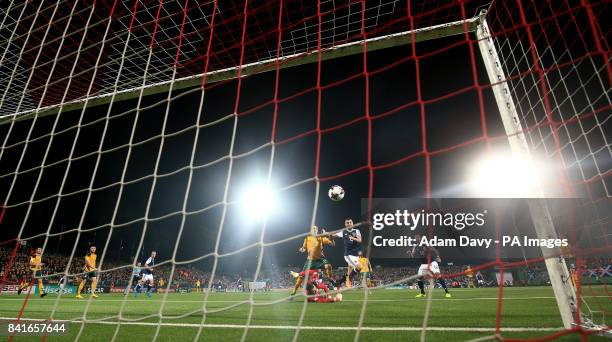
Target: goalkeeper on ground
(313, 246)
(316, 290)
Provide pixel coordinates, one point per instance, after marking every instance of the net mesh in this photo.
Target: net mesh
(26, 26)
(559, 75)
(139, 162)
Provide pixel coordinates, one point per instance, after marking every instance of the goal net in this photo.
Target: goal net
(210, 132)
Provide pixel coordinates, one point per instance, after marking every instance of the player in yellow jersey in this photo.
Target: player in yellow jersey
(197, 285)
(469, 273)
(365, 268)
(574, 274)
(36, 265)
(90, 273)
(315, 260)
(23, 284)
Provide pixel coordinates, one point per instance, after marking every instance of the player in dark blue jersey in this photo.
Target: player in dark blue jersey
(432, 269)
(147, 273)
(351, 238)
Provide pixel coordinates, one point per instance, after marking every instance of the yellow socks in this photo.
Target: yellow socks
(298, 282)
(81, 286)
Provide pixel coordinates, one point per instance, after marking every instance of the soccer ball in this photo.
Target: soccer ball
(338, 297)
(336, 193)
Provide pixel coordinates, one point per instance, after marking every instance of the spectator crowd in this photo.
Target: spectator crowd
(14, 268)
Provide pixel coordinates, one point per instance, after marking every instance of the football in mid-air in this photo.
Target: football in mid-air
(336, 193)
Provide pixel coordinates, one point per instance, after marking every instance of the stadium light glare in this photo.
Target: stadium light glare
(505, 176)
(258, 201)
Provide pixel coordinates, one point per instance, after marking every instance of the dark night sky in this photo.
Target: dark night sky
(449, 121)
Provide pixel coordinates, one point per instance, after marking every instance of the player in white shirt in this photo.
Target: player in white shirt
(429, 258)
(136, 280)
(62, 283)
(351, 238)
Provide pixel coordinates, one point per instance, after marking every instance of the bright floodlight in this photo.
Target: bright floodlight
(257, 201)
(505, 176)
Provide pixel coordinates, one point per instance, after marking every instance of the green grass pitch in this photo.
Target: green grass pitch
(390, 315)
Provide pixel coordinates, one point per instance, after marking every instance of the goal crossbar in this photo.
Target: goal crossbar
(338, 51)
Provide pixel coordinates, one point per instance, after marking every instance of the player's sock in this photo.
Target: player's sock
(298, 283)
(41, 289)
(443, 284)
(93, 287)
(81, 286)
(421, 286)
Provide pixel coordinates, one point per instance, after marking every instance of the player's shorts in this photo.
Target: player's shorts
(136, 279)
(365, 275)
(352, 260)
(317, 264)
(91, 274)
(433, 268)
(147, 277)
(37, 274)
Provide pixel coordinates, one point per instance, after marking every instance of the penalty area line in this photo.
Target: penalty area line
(294, 327)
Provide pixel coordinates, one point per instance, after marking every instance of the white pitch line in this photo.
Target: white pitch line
(293, 327)
(276, 301)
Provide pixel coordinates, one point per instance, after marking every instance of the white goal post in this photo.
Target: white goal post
(555, 264)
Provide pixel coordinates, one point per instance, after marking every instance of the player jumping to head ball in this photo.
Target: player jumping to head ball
(426, 269)
(351, 238)
(313, 246)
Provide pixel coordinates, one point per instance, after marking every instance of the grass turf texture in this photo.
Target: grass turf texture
(396, 315)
